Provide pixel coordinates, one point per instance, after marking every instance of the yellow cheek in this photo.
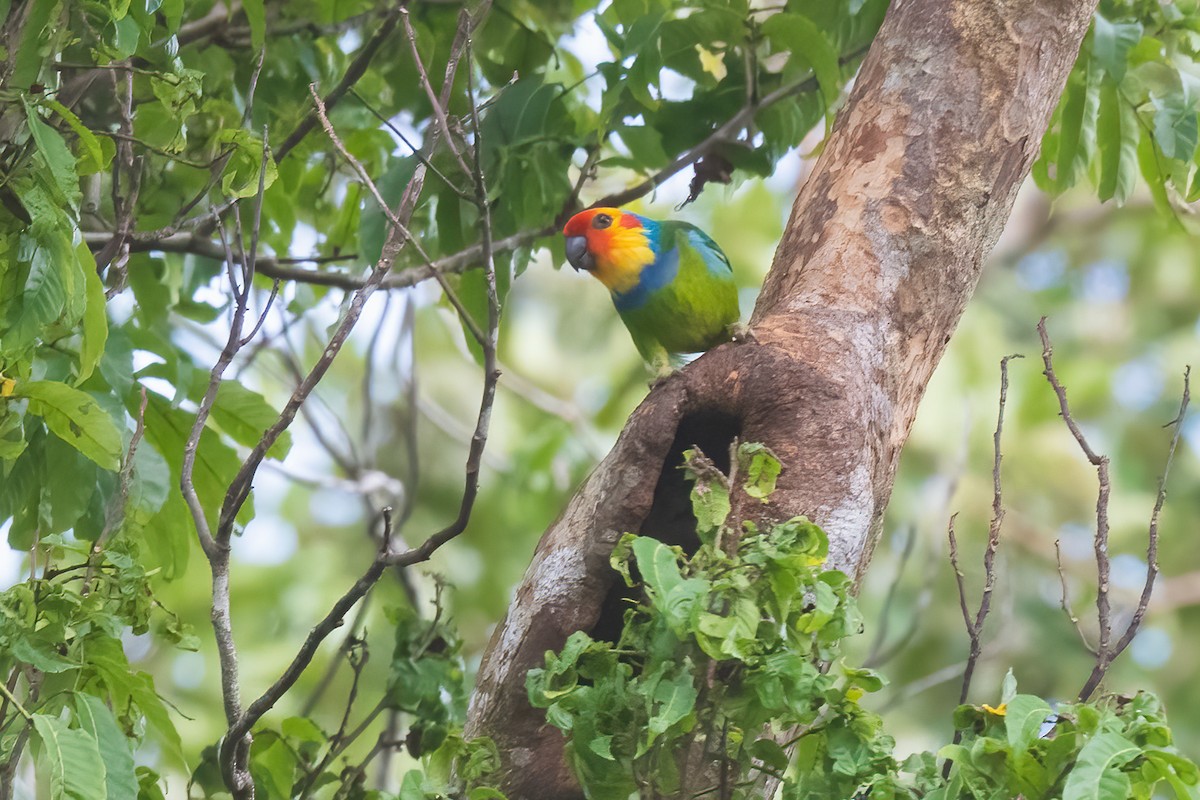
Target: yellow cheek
(620, 268)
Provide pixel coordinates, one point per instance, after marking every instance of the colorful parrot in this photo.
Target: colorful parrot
(671, 284)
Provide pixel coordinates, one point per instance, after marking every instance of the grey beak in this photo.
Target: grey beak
(578, 255)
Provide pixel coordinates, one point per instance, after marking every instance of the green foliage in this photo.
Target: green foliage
(1117, 747)
(87, 707)
(732, 663)
(1130, 106)
(727, 646)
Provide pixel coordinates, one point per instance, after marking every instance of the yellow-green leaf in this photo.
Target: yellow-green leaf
(76, 418)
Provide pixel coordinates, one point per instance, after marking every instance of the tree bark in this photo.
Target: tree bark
(883, 249)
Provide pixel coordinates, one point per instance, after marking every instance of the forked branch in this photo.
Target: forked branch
(1106, 651)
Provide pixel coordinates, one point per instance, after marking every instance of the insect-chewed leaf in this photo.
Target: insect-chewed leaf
(76, 418)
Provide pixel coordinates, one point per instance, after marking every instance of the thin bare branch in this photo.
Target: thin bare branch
(1100, 462)
(975, 625)
(1106, 655)
(416, 151)
(1065, 601)
(1105, 650)
(1152, 532)
(439, 111)
(875, 655)
(958, 575)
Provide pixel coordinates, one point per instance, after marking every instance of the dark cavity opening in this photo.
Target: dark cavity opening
(671, 519)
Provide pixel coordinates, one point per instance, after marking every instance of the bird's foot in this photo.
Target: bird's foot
(740, 333)
(662, 371)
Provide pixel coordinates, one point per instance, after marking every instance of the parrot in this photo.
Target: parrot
(671, 284)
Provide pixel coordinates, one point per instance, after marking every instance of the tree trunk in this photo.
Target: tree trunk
(882, 252)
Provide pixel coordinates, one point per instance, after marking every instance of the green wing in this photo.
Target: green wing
(694, 311)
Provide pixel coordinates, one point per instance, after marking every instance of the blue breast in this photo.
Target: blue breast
(653, 277)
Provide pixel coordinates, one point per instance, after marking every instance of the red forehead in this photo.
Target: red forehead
(581, 223)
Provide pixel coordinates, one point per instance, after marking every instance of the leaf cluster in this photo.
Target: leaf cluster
(87, 708)
(1117, 747)
(1130, 106)
(728, 653)
(729, 667)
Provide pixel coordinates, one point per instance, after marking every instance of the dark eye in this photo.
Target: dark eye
(601, 221)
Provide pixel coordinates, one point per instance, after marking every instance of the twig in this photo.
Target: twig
(975, 628)
(1105, 651)
(9, 769)
(416, 151)
(876, 655)
(10, 698)
(1152, 532)
(340, 741)
(116, 250)
(975, 625)
(352, 637)
(439, 112)
(1065, 602)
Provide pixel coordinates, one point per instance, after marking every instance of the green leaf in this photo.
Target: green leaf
(36, 31)
(241, 175)
(75, 418)
(1111, 43)
(273, 765)
(257, 17)
(245, 415)
(710, 500)
(40, 654)
(44, 295)
(98, 721)
(808, 45)
(1151, 168)
(92, 159)
(658, 564)
(621, 556)
(760, 468)
(1008, 686)
(68, 483)
(128, 687)
(72, 760)
(1117, 133)
(770, 753)
(1179, 772)
(95, 320)
(1023, 718)
(56, 154)
(1097, 772)
(1175, 125)
(148, 788)
(674, 700)
(1077, 135)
